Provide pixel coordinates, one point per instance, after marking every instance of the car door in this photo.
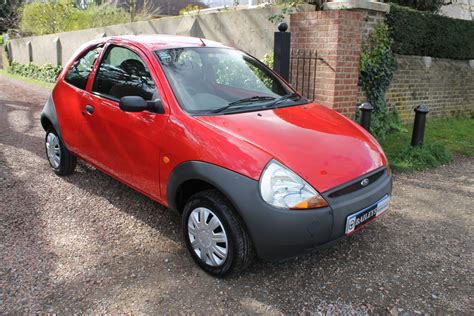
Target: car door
(69, 101)
(125, 144)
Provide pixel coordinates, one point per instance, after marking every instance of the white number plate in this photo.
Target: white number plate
(357, 220)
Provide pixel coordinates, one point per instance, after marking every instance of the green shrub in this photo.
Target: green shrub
(1, 39)
(420, 158)
(427, 34)
(48, 17)
(46, 73)
(377, 66)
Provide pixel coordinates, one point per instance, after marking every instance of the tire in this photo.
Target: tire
(239, 252)
(61, 160)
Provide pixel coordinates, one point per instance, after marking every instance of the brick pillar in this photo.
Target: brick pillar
(336, 36)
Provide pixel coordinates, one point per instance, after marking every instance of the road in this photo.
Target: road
(87, 243)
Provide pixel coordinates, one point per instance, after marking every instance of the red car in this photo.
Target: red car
(255, 169)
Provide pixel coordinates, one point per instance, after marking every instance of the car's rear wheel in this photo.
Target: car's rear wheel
(60, 159)
(214, 234)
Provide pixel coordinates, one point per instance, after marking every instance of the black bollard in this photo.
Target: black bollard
(366, 110)
(419, 125)
(281, 51)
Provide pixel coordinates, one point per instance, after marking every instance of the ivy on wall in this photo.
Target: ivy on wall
(422, 5)
(426, 34)
(47, 72)
(287, 7)
(377, 67)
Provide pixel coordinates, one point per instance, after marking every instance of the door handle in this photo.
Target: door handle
(89, 109)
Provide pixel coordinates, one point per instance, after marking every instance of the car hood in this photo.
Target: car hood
(320, 145)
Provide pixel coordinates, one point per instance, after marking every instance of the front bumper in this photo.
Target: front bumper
(278, 233)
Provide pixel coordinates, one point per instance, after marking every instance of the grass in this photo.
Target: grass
(4, 72)
(443, 138)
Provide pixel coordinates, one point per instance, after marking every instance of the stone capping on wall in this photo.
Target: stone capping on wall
(357, 4)
(427, 60)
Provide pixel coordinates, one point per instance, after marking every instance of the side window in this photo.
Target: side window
(123, 73)
(81, 68)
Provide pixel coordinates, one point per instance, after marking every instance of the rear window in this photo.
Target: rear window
(79, 72)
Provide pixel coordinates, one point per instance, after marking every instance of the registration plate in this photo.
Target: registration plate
(365, 216)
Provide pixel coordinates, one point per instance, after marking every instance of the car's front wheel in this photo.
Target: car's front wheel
(60, 159)
(214, 234)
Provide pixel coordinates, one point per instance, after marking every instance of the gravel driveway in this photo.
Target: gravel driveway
(87, 243)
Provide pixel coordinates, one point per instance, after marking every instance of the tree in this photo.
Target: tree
(9, 14)
(47, 17)
(62, 16)
(166, 7)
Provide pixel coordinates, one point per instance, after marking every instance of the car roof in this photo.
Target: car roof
(161, 41)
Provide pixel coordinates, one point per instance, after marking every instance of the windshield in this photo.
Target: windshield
(221, 80)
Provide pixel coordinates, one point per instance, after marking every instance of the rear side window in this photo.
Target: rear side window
(123, 73)
(81, 69)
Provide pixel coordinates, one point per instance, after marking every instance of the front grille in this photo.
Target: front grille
(357, 184)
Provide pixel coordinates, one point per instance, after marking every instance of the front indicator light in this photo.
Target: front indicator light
(282, 188)
(316, 201)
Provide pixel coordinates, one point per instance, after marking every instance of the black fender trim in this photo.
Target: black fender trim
(49, 114)
(221, 178)
(274, 232)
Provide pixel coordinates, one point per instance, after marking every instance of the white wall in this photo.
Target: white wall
(459, 9)
(249, 30)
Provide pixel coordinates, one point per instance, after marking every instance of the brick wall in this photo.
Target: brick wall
(336, 36)
(370, 20)
(446, 86)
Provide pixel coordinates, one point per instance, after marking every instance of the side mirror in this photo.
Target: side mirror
(138, 104)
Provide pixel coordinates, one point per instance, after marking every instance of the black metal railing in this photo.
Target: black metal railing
(303, 66)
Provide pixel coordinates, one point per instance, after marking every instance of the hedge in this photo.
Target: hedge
(47, 72)
(426, 34)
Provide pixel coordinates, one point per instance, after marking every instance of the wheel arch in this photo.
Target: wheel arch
(191, 177)
(189, 188)
(46, 123)
(50, 118)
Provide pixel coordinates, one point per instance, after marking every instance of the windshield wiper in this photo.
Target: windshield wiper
(284, 98)
(239, 103)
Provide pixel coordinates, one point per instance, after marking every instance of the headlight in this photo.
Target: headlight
(281, 187)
